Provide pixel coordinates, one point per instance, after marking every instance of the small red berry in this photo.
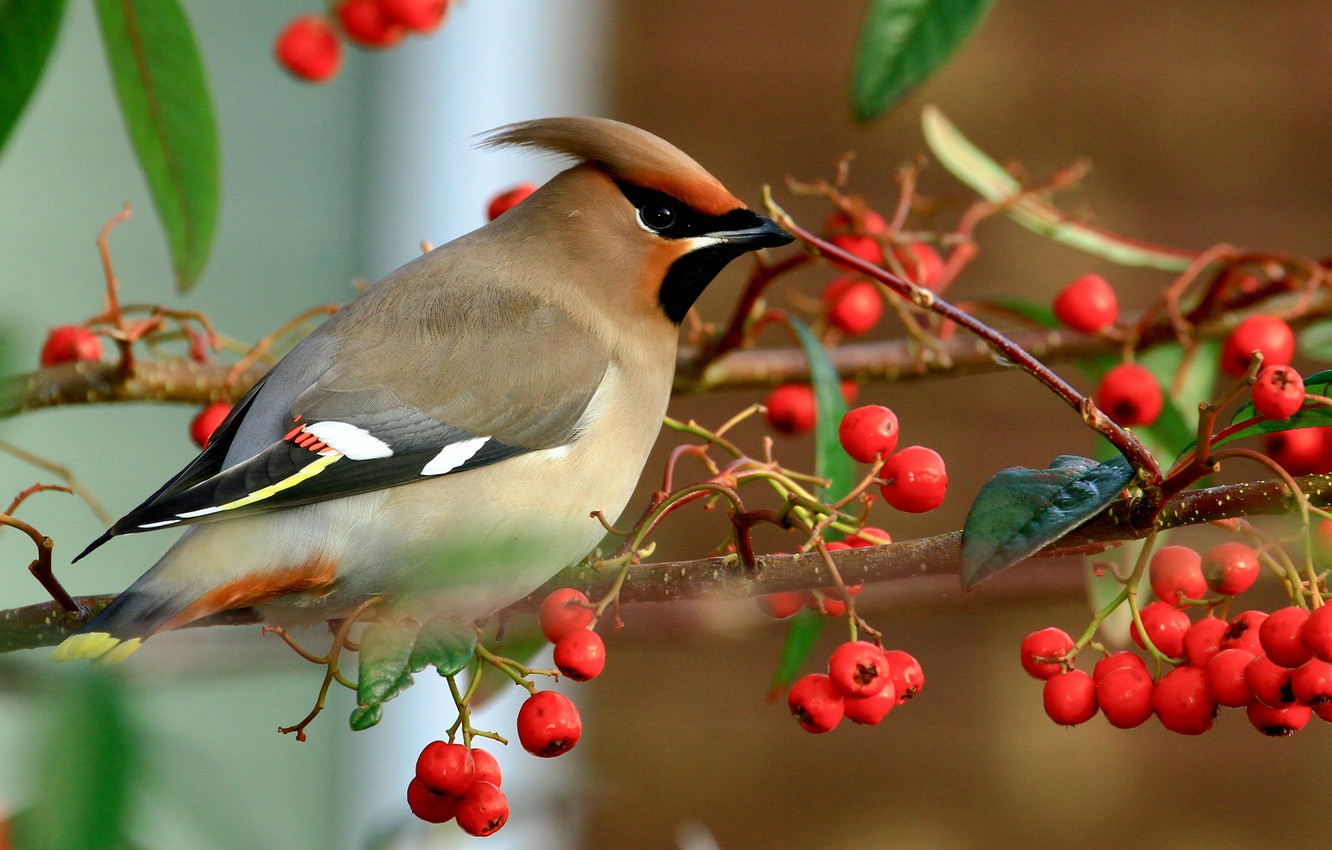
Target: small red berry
(815, 703)
(867, 221)
(868, 536)
(1267, 334)
(1070, 698)
(791, 409)
(70, 344)
(1116, 661)
(483, 809)
(870, 710)
(505, 201)
(207, 421)
(1299, 451)
(1311, 683)
(581, 655)
(1088, 304)
(428, 805)
(1203, 640)
(1225, 677)
(858, 669)
(907, 674)
(868, 432)
(1317, 632)
(1165, 625)
(365, 22)
(1176, 574)
(921, 263)
(308, 47)
(1281, 636)
(915, 480)
(564, 611)
(487, 767)
(1230, 568)
(1279, 722)
(857, 309)
(1269, 682)
(548, 724)
(1278, 392)
(1182, 703)
(1130, 395)
(783, 605)
(1243, 631)
(1125, 696)
(863, 246)
(418, 15)
(1041, 651)
(446, 768)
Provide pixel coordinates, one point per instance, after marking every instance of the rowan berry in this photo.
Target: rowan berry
(1280, 722)
(1311, 683)
(548, 724)
(1203, 640)
(1299, 451)
(505, 201)
(207, 421)
(487, 767)
(1041, 651)
(1070, 698)
(1278, 392)
(1230, 568)
(783, 605)
(483, 809)
(1165, 625)
(1182, 702)
(856, 309)
(1317, 632)
(815, 703)
(1130, 395)
(430, 806)
(1116, 661)
(1243, 632)
(309, 48)
(1269, 682)
(915, 480)
(791, 409)
(870, 710)
(581, 655)
(366, 23)
(867, 221)
(1267, 334)
(70, 344)
(1175, 573)
(920, 262)
(564, 611)
(446, 768)
(868, 432)
(1281, 636)
(868, 536)
(858, 669)
(1088, 304)
(906, 673)
(1224, 674)
(859, 245)
(418, 15)
(1124, 695)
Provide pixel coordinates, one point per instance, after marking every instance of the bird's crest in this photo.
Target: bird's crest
(626, 153)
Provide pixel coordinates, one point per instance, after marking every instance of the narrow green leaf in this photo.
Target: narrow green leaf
(159, 81)
(386, 650)
(28, 30)
(802, 632)
(1020, 511)
(903, 42)
(446, 643)
(988, 179)
(1041, 315)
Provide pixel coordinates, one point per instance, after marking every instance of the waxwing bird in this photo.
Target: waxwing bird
(443, 439)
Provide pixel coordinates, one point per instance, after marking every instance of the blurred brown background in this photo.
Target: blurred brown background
(1206, 122)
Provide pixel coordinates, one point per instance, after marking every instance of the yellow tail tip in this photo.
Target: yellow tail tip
(99, 646)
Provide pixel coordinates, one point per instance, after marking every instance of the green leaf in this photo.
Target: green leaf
(449, 644)
(28, 30)
(1312, 417)
(987, 178)
(903, 42)
(1041, 315)
(1020, 511)
(386, 650)
(159, 81)
(802, 632)
(1315, 341)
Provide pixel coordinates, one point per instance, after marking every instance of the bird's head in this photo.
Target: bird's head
(646, 227)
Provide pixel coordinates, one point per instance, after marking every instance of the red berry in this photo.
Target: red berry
(1278, 392)
(915, 480)
(1324, 712)
(207, 421)
(548, 724)
(1116, 661)
(867, 221)
(1267, 334)
(365, 23)
(1042, 649)
(1225, 677)
(505, 201)
(1230, 568)
(1203, 640)
(1125, 696)
(1311, 683)
(1070, 698)
(1130, 395)
(1300, 451)
(870, 710)
(868, 536)
(1281, 636)
(70, 344)
(1176, 574)
(1317, 632)
(1182, 703)
(857, 309)
(483, 809)
(1269, 682)
(309, 48)
(783, 605)
(428, 805)
(869, 431)
(564, 611)
(487, 767)
(446, 768)
(907, 674)
(921, 264)
(1165, 625)
(1088, 304)
(858, 669)
(791, 409)
(1243, 631)
(418, 15)
(1278, 722)
(581, 655)
(815, 703)
(863, 246)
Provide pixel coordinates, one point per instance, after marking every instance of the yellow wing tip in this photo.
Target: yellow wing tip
(98, 646)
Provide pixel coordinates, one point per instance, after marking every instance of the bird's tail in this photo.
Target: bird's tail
(119, 628)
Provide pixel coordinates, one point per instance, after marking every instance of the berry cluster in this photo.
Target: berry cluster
(454, 782)
(310, 46)
(1278, 666)
(863, 684)
(853, 304)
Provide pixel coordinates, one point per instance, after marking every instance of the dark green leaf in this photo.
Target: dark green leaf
(159, 81)
(28, 31)
(1020, 511)
(447, 644)
(903, 42)
(365, 716)
(386, 649)
(801, 634)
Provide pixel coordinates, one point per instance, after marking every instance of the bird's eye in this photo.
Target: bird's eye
(657, 216)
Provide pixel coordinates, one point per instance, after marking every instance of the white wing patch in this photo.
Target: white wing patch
(159, 524)
(354, 443)
(453, 456)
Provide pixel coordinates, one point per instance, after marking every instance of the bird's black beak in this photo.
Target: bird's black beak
(765, 234)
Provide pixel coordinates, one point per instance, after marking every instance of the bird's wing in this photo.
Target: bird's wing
(466, 383)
